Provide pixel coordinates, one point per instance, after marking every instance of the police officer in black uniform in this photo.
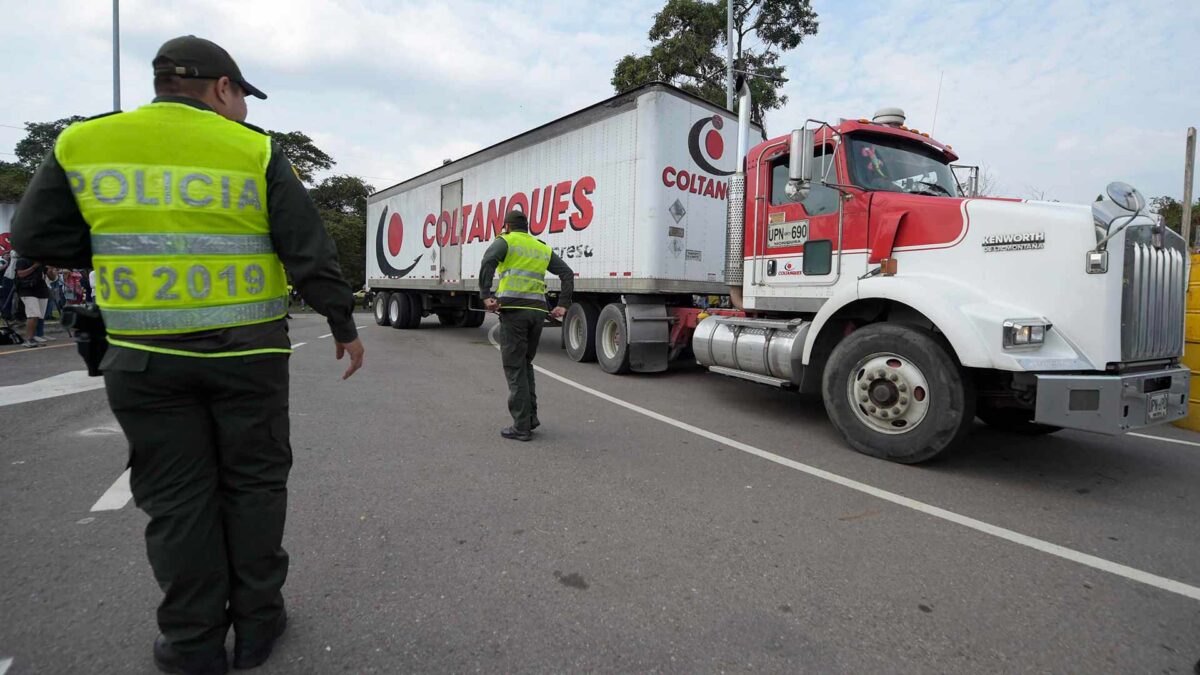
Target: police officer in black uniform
(199, 387)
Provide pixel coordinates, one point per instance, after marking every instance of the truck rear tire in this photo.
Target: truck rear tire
(472, 319)
(381, 308)
(397, 310)
(896, 393)
(612, 339)
(415, 309)
(1013, 420)
(579, 331)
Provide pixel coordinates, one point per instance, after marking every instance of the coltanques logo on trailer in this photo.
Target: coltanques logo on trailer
(394, 231)
(713, 147)
(706, 146)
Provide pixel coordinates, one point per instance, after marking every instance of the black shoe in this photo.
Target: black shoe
(247, 654)
(535, 424)
(170, 661)
(512, 434)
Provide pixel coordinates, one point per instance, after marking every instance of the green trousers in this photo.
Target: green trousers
(520, 332)
(210, 456)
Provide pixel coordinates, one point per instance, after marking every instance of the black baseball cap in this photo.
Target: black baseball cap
(190, 56)
(517, 220)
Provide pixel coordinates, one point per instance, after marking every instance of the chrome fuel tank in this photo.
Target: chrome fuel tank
(766, 347)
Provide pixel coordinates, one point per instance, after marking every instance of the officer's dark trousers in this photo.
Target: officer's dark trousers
(210, 457)
(520, 332)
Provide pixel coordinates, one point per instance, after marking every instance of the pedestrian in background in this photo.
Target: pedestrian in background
(522, 261)
(35, 295)
(197, 364)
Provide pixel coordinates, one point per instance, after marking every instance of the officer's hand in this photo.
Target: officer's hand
(491, 304)
(355, 349)
(558, 312)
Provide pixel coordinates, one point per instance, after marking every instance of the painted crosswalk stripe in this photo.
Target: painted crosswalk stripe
(117, 496)
(72, 382)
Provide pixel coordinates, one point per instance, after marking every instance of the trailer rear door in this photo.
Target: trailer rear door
(451, 269)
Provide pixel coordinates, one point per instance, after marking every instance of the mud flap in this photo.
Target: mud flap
(649, 333)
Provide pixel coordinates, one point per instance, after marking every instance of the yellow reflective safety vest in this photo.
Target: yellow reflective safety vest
(523, 272)
(175, 199)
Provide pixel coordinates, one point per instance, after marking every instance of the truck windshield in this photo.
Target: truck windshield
(897, 165)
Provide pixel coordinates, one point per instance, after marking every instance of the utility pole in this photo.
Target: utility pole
(116, 54)
(1189, 165)
(728, 54)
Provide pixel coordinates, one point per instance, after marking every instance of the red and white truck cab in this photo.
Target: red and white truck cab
(868, 277)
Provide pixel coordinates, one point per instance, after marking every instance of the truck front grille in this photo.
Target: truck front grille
(1153, 295)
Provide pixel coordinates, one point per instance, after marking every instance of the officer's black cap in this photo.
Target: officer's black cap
(190, 56)
(517, 220)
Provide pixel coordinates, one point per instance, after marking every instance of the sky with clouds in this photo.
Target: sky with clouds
(1055, 97)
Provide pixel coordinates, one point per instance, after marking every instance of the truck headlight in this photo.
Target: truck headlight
(1020, 333)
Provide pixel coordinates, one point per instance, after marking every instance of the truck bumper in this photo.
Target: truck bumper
(1112, 404)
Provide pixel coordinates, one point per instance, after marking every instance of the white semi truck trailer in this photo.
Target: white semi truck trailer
(854, 263)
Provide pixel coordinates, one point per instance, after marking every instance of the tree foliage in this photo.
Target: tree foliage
(689, 41)
(344, 194)
(39, 140)
(303, 153)
(14, 178)
(1171, 210)
(349, 234)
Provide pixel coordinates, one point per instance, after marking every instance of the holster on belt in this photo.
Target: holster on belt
(90, 335)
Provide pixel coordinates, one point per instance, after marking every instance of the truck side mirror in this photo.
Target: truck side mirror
(800, 164)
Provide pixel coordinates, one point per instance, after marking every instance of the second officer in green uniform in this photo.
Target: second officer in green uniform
(522, 262)
(190, 218)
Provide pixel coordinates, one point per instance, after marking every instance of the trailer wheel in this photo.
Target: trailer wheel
(415, 309)
(450, 317)
(1014, 420)
(397, 310)
(381, 308)
(896, 393)
(612, 339)
(579, 331)
(472, 319)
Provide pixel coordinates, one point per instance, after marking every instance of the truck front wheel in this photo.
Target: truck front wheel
(896, 393)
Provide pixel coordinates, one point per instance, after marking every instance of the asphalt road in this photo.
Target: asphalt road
(685, 523)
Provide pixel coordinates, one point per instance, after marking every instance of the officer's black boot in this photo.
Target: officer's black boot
(251, 654)
(511, 433)
(170, 661)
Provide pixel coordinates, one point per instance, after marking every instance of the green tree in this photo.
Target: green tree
(14, 178)
(303, 153)
(689, 40)
(39, 140)
(1171, 210)
(344, 194)
(349, 233)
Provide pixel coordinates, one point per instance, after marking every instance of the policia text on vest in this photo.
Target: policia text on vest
(193, 222)
(522, 262)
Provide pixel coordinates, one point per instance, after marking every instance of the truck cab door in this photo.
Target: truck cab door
(450, 255)
(800, 244)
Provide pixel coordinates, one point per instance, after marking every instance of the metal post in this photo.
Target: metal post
(116, 54)
(1189, 165)
(729, 54)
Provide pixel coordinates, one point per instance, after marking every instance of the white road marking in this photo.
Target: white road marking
(299, 344)
(322, 337)
(63, 384)
(5, 664)
(117, 496)
(1164, 439)
(1131, 573)
(101, 431)
(360, 326)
